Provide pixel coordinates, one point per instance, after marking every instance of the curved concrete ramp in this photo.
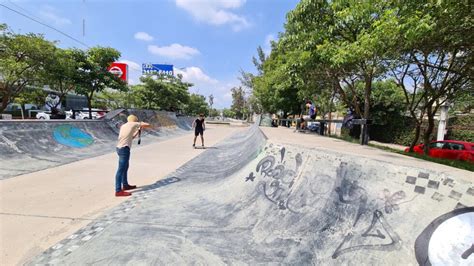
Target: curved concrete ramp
(29, 146)
(251, 201)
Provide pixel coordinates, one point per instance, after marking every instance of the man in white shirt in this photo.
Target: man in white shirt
(128, 132)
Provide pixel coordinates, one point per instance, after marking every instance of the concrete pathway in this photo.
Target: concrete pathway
(288, 136)
(39, 209)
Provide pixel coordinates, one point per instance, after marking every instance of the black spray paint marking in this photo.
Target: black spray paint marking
(423, 240)
(351, 193)
(265, 165)
(299, 161)
(282, 152)
(251, 177)
(391, 200)
(387, 231)
(277, 189)
(468, 252)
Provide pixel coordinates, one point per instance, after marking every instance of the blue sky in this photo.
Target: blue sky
(209, 40)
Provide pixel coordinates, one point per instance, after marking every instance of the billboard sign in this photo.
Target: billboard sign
(157, 69)
(120, 70)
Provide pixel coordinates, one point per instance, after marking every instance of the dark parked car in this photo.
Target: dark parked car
(449, 149)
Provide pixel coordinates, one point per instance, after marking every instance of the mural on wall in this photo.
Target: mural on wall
(72, 136)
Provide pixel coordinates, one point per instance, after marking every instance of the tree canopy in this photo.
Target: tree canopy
(347, 52)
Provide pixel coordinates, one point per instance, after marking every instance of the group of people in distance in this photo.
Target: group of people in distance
(128, 132)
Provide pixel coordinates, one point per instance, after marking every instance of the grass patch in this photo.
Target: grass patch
(345, 138)
(453, 163)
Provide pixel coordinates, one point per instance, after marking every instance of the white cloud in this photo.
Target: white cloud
(132, 66)
(51, 14)
(215, 12)
(132, 82)
(196, 76)
(134, 71)
(174, 51)
(143, 36)
(206, 85)
(267, 45)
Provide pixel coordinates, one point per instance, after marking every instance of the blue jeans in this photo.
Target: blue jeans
(121, 176)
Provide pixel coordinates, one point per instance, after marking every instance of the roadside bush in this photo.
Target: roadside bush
(461, 128)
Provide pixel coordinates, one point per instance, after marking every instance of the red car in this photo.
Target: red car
(449, 149)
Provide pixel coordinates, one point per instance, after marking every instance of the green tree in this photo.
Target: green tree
(228, 113)
(31, 95)
(164, 92)
(91, 74)
(238, 102)
(197, 105)
(114, 99)
(22, 57)
(214, 113)
(59, 72)
(211, 100)
(435, 63)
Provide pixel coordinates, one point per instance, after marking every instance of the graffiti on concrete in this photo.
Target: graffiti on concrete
(360, 222)
(448, 239)
(392, 200)
(378, 229)
(468, 252)
(379, 235)
(277, 181)
(72, 136)
(11, 144)
(251, 177)
(283, 183)
(164, 121)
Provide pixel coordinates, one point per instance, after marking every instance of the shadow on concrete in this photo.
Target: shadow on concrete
(158, 184)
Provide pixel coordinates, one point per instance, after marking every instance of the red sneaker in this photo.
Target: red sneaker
(128, 187)
(122, 193)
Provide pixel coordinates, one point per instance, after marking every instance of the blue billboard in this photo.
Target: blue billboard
(157, 69)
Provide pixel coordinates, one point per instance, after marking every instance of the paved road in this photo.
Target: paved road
(288, 199)
(41, 208)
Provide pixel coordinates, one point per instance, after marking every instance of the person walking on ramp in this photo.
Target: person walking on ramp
(128, 132)
(199, 126)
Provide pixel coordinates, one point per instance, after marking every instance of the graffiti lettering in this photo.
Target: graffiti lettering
(382, 231)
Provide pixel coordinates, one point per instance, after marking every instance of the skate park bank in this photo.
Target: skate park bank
(31, 145)
(262, 196)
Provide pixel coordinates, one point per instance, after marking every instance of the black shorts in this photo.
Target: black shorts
(198, 132)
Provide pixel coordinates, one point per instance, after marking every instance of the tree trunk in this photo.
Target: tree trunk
(5, 100)
(365, 128)
(89, 105)
(429, 130)
(417, 136)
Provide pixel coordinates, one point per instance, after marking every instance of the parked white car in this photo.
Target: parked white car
(43, 115)
(46, 115)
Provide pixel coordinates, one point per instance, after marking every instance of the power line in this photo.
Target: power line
(24, 10)
(44, 24)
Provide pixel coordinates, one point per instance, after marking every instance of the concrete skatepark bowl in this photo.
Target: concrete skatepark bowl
(29, 146)
(252, 200)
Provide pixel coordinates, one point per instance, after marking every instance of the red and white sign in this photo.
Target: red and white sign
(120, 70)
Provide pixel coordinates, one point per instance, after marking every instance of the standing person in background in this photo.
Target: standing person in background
(128, 132)
(199, 126)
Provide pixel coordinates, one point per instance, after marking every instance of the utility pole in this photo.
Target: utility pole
(443, 121)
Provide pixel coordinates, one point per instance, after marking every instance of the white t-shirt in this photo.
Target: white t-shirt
(127, 131)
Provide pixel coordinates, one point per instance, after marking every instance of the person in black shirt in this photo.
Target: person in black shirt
(199, 126)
